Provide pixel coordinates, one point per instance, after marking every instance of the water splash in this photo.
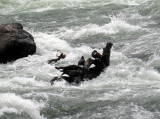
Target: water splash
(13, 101)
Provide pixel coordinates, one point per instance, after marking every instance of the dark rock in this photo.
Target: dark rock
(15, 42)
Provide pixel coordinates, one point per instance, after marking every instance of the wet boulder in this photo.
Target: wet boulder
(15, 42)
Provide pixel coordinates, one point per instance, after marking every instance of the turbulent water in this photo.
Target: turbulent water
(128, 89)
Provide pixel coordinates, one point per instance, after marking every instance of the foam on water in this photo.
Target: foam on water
(128, 88)
(140, 50)
(119, 81)
(115, 26)
(141, 113)
(119, 64)
(13, 101)
(43, 39)
(130, 2)
(49, 51)
(124, 72)
(21, 83)
(8, 110)
(19, 6)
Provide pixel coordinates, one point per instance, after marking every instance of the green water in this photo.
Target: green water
(127, 89)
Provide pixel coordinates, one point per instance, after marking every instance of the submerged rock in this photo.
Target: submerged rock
(15, 42)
